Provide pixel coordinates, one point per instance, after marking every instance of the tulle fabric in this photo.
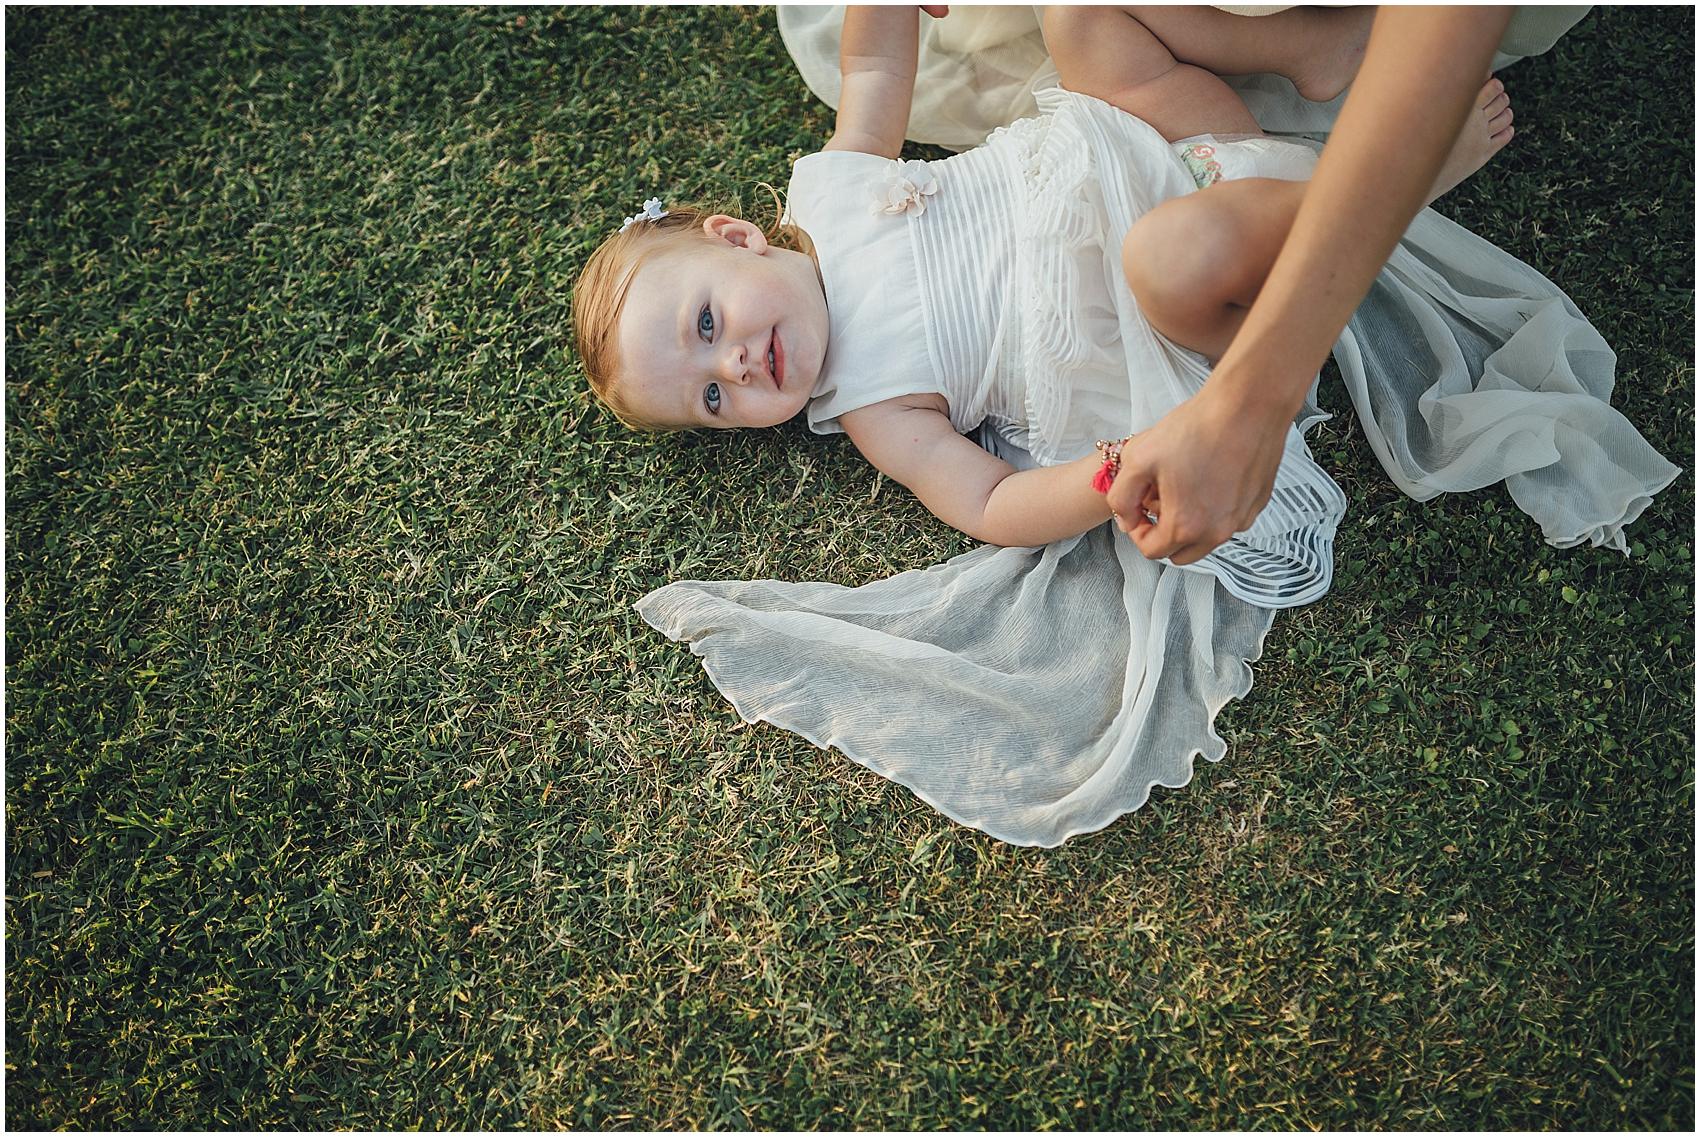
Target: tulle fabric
(1037, 694)
(1030, 693)
(1467, 367)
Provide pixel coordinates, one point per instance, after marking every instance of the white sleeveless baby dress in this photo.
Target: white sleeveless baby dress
(1002, 290)
(1040, 693)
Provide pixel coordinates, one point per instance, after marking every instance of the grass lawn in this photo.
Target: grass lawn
(344, 788)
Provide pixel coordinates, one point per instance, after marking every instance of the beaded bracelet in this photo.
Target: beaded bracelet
(1111, 453)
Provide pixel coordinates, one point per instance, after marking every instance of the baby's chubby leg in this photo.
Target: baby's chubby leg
(1106, 53)
(1196, 262)
(1318, 49)
(1163, 63)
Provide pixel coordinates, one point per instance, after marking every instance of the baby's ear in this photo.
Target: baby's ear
(736, 232)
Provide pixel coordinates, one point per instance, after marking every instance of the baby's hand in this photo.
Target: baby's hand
(936, 11)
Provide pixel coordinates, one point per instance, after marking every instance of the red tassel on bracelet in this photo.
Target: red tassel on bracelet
(1111, 452)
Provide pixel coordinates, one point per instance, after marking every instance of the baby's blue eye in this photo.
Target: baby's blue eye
(711, 398)
(705, 323)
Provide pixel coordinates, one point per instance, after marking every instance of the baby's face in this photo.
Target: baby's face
(725, 331)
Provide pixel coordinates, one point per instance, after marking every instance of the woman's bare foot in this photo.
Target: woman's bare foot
(1486, 131)
(1336, 50)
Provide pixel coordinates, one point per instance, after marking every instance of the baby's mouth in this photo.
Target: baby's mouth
(776, 360)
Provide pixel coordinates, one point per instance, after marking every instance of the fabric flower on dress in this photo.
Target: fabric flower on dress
(906, 187)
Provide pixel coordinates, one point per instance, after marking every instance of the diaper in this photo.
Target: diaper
(1210, 158)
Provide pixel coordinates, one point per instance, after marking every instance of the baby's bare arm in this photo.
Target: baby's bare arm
(877, 58)
(913, 443)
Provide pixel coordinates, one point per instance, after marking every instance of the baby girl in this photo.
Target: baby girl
(989, 328)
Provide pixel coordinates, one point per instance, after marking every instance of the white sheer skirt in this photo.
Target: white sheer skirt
(1467, 367)
(1031, 693)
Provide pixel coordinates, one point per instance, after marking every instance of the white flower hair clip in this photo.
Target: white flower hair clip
(906, 187)
(652, 211)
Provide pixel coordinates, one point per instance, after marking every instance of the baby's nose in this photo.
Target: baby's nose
(734, 365)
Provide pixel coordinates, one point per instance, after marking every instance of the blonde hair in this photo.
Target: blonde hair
(599, 296)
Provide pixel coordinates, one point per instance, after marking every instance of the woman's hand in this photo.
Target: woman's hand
(1203, 470)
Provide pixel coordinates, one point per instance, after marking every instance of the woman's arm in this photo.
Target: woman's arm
(1212, 460)
(877, 57)
(914, 444)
